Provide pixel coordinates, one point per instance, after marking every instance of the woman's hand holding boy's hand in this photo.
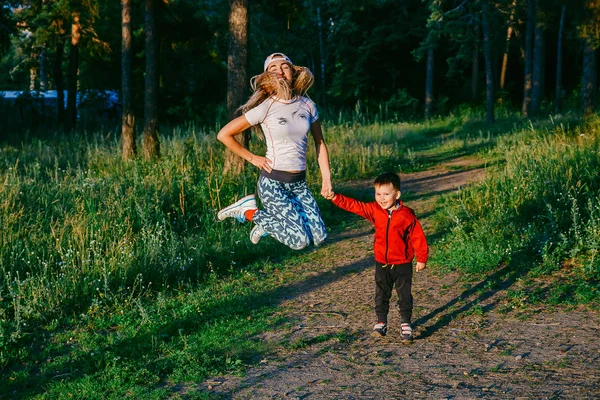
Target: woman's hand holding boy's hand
(329, 196)
(327, 190)
(420, 266)
(328, 193)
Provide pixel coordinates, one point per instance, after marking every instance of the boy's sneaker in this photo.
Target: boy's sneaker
(406, 334)
(238, 209)
(256, 233)
(380, 329)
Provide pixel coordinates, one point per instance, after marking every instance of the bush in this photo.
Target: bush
(402, 105)
(543, 203)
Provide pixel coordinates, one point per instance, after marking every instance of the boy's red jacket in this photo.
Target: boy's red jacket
(398, 236)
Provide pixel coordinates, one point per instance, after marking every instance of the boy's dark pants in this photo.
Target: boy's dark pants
(400, 276)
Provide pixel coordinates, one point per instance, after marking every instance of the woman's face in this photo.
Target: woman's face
(282, 69)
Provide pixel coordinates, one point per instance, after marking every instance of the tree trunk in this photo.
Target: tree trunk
(151, 145)
(429, 83)
(237, 59)
(43, 70)
(489, 73)
(559, 60)
(507, 46)
(538, 71)
(588, 81)
(127, 116)
(475, 73)
(475, 65)
(529, 30)
(236, 77)
(71, 117)
(59, 82)
(321, 56)
(32, 78)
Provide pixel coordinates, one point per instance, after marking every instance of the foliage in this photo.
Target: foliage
(117, 278)
(85, 230)
(539, 209)
(121, 271)
(402, 105)
(5, 24)
(361, 46)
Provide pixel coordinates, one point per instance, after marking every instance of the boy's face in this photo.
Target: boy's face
(386, 195)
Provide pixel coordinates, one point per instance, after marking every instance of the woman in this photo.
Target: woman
(278, 104)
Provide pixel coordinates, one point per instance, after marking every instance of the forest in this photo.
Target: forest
(119, 279)
(179, 60)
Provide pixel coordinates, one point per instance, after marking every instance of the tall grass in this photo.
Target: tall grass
(542, 206)
(122, 266)
(81, 228)
(80, 225)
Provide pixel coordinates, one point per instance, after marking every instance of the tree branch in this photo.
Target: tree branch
(7, 28)
(457, 8)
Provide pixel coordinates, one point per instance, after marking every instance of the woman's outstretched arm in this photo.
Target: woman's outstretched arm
(322, 158)
(227, 136)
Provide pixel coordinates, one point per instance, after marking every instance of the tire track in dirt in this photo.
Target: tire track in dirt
(465, 347)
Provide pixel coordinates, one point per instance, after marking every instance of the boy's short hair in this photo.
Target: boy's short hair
(388, 178)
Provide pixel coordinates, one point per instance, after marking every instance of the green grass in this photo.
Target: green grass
(112, 274)
(540, 208)
(116, 279)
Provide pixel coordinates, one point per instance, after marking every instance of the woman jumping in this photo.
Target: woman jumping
(278, 104)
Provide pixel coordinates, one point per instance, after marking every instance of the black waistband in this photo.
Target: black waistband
(284, 176)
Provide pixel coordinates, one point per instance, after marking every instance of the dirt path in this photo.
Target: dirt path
(467, 345)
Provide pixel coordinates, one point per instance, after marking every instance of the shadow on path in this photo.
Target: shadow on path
(227, 307)
(344, 235)
(501, 279)
(446, 181)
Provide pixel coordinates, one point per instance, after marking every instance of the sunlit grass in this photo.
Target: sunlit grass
(540, 209)
(83, 229)
(116, 277)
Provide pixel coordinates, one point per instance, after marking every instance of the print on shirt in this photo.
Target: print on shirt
(286, 125)
(300, 114)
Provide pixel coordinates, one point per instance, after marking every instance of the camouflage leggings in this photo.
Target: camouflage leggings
(290, 213)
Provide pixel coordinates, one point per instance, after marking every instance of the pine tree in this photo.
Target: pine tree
(127, 116)
(237, 76)
(151, 144)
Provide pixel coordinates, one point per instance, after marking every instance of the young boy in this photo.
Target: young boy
(398, 238)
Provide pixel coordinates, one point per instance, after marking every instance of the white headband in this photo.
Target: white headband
(276, 57)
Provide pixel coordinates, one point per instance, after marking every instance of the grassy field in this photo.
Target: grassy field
(117, 280)
(539, 210)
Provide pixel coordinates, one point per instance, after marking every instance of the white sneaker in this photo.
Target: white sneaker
(380, 329)
(237, 210)
(256, 233)
(406, 334)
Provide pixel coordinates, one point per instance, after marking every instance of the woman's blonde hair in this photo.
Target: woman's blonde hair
(269, 84)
